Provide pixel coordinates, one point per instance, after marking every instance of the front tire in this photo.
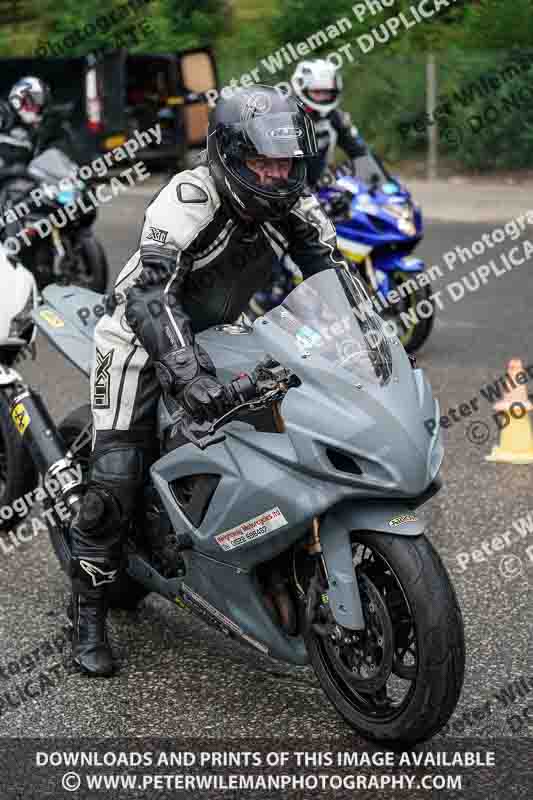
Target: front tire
(406, 592)
(413, 334)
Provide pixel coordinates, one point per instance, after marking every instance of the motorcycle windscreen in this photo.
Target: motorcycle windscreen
(330, 316)
(371, 170)
(52, 165)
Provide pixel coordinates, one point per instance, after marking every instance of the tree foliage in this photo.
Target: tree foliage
(385, 87)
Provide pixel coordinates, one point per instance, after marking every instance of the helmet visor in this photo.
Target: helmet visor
(284, 135)
(29, 103)
(322, 96)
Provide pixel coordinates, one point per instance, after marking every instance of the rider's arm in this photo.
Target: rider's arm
(348, 137)
(154, 308)
(311, 237)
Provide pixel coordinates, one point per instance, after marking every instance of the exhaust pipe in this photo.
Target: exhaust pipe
(44, 443)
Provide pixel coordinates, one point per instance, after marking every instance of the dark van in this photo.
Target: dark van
(110, 97)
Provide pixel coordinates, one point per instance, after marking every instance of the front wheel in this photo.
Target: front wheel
(398, 681)
(414, 314)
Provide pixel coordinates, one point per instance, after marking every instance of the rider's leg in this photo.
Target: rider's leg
(119, 463)
(124, 392)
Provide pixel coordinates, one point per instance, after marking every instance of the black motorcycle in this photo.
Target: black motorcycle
(55, 246)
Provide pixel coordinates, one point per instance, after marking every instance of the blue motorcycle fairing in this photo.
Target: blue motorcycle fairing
(371, 222)
(375, 227)
(390, 262)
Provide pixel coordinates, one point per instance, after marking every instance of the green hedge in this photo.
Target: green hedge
(383, 92)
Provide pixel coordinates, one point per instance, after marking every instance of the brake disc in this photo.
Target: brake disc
(365, 658)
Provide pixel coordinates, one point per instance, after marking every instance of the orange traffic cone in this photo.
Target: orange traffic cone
(516, 441)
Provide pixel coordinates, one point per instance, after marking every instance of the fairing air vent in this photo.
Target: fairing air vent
(343, 462)
(193, 495)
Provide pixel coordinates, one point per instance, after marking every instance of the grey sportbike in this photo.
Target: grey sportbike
(290, 522)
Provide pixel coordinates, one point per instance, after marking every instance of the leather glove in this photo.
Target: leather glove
(179, 366)
(205, 398)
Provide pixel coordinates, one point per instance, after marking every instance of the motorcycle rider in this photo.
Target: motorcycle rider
(318, 84)
(21, 115)
(208, 240)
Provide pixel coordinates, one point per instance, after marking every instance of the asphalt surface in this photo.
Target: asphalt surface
(180, 678)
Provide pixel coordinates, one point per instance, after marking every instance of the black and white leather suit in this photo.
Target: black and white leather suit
(334, 129)
(197, 265)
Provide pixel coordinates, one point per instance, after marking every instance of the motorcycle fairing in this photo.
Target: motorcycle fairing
(68, 319)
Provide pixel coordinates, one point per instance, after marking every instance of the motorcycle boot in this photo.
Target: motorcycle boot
(96, 555)
(97, 535)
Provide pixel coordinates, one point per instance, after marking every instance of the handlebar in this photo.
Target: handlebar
(241, 389)
(269, 382)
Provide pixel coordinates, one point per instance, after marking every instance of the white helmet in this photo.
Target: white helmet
(318, 76)
(29, 97)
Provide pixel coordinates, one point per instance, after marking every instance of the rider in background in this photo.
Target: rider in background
(318, 85)
(21, 117)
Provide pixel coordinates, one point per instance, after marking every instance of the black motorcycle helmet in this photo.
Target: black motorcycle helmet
(252, 122)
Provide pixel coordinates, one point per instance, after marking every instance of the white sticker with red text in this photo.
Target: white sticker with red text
(251, 529)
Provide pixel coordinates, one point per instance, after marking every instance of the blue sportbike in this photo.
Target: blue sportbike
(378, 227)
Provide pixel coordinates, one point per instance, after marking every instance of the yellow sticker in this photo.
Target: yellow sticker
(351, 255)
(20, 417)
(403, 518)
(52, 318)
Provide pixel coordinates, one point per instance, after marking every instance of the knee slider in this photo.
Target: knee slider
(99, 512)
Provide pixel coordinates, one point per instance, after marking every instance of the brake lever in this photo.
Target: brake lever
(259, 402)
(190, 428)
(203, 434)
(198, 433)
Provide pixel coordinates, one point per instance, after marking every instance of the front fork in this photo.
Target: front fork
(331, 547)
(331, 541)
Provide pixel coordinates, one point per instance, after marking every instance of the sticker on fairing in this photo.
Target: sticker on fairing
(402, 519)
(20, 417)
(52, 318)
(251, 529)
(307, 337)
